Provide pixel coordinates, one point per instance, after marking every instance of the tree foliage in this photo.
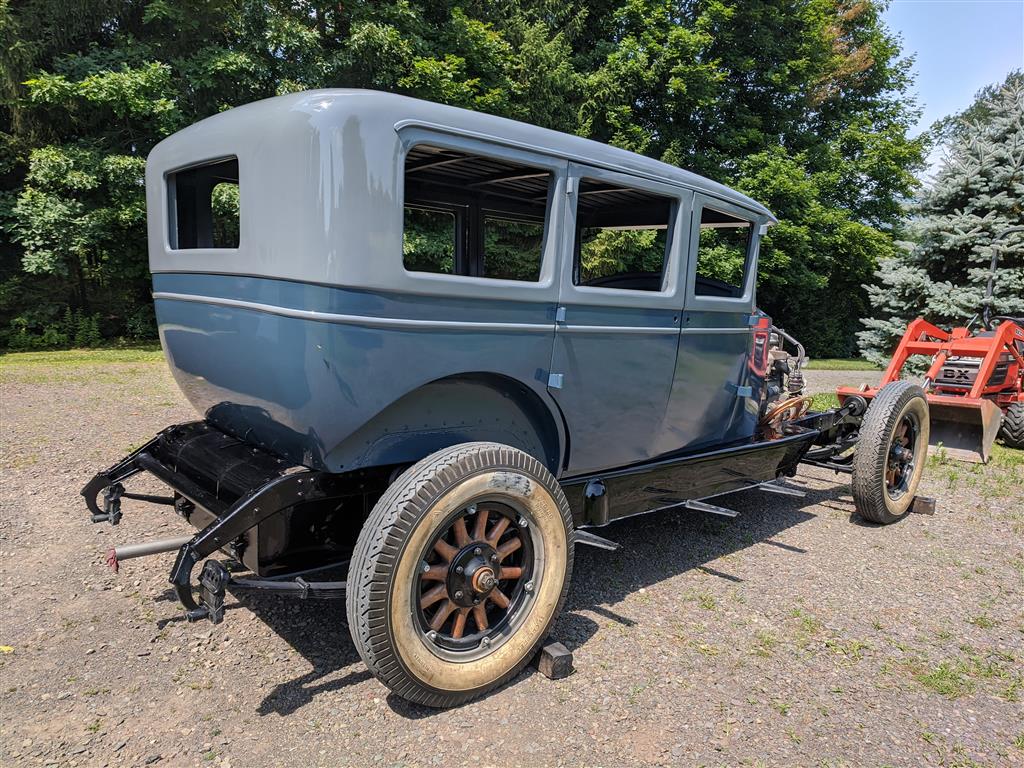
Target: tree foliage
(976, 197)
(800, 103)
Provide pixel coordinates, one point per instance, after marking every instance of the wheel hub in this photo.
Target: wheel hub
(473, 574)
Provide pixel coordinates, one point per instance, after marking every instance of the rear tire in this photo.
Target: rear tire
(460, 572)
(1012, 430)
(891, 453)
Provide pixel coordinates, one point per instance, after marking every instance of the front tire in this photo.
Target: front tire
(460, 572)
(891, 453)
(1012, 429)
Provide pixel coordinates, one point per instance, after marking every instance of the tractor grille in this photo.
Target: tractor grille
(960, 372)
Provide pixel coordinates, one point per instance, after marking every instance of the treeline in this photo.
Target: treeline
(799, 103)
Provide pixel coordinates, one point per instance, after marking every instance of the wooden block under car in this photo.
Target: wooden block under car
(923, 505)
(554, 661)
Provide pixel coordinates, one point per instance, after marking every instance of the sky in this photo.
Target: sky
(960, 46)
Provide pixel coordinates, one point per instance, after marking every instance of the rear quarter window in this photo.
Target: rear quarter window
(203, 206)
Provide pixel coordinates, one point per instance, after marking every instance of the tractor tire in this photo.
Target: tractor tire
(459, 573)
(891, 453)
(1012, 429)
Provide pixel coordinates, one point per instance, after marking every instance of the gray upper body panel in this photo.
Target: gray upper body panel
(320, 184)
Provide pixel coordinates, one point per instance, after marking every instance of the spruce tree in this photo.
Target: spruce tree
(977, 195)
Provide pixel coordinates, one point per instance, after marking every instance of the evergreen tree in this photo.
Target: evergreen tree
(977, 195)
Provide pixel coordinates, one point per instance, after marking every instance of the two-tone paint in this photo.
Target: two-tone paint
(311, 339)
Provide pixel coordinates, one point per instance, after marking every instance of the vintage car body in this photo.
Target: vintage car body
(291, 338)
(407, 299)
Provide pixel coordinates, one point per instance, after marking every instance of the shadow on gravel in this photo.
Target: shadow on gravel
(655, 547)
(662, 544)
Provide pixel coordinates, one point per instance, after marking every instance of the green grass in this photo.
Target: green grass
(841, 364)
(149, 353)
(823, 401)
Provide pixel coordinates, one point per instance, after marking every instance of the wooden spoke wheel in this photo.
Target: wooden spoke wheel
(476, 577)
(459, 573)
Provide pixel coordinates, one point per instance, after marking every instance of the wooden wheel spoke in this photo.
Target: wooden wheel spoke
(445, 550)
(509, 547)
(431, 596)
(460, 623)
(442, 615)
(497, 530)
(436, 573)
(461, 534)
(498, 597)
(511, 573)
(480, 529)
(480, 617)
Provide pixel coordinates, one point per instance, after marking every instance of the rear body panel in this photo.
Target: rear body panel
(250, 357)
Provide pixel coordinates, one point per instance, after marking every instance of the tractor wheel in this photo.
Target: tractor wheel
(891, 453)
(460, 572)
(1012, 430)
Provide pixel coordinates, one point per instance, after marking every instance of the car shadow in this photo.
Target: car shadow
(654, 547)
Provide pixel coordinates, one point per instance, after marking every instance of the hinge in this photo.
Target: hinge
(568, 186)
(560, 315)
(555, 380)
(753, 320)
(744, 392)
(763, 230)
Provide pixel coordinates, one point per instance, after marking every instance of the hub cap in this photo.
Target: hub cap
(475, 580)
(899, 468)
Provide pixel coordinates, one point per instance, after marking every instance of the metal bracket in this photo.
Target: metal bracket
(556, 380)
(111, 505)
(703, 506)
(560, 315)
(593, 540)
(784, 490)
(212, 583)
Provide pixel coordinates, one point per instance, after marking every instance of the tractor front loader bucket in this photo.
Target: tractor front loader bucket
(964, 428)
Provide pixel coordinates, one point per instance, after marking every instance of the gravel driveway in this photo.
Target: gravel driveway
(794, 634)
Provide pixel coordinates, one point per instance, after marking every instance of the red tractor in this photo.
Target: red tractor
(975, 385)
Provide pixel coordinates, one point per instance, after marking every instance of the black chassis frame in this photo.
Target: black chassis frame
(238, 486)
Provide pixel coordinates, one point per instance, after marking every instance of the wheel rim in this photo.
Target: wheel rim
(476, 580)
(902, 458)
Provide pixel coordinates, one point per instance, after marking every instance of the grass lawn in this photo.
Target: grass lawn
(841, 364)
(145, 353)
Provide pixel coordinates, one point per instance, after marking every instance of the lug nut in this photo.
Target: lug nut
(528, 586)
(458, 595)
(494, 557)
(485, 642)
(523, 522)
(459, 569)
(424, 567)
(476, 601)
(477, 551)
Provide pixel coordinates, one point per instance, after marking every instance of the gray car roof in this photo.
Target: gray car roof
(407, 111)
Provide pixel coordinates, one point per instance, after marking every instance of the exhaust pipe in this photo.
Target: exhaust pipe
(128, 551)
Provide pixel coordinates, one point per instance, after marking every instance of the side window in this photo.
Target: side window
(473, 215)
(722, 255)
(204, 210)
(621, 236)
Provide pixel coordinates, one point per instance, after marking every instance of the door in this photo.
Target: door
(714, 391)
(618, 316)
